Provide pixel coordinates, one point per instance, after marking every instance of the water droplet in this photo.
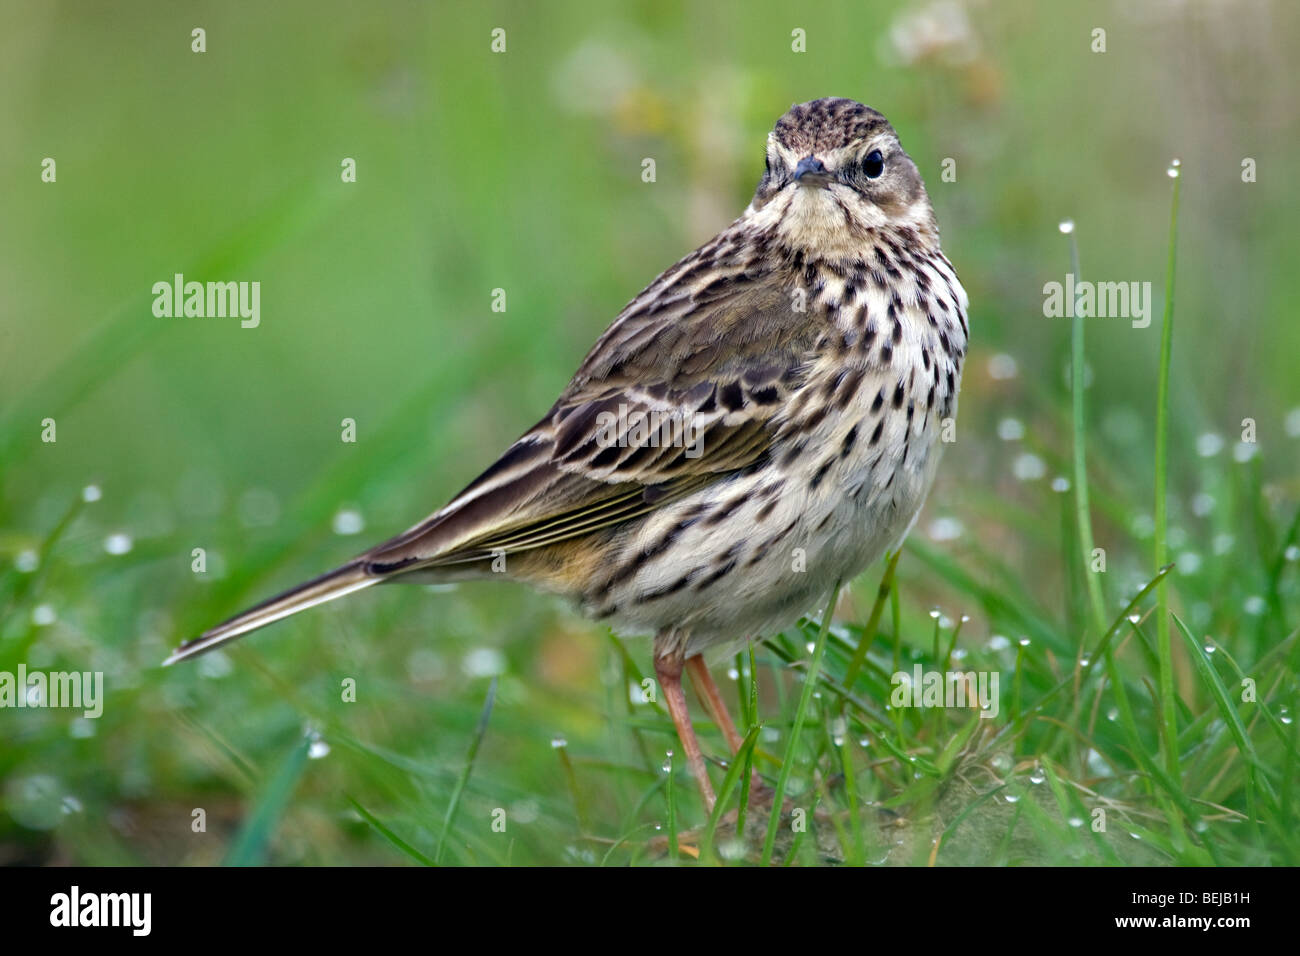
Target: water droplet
(70, 805)
(1189, 562)
(1002, 366)
(838, 728)
(1210, 648)
(1134, 618)
(1023, 642)
(1011, 429)
(1037, 776)
(558, 743)
(119, 543)
(1001, 762)
(1012, 798)
(1292, 553)
(812, 646)
(1172, 171)
(483, 662)
(1028, 467)
(945, 529)
(214, 665)
(348, 521)
(1060, 484)
(1075, 822)
(1085, 662)
(733, 674)
(1066, 226)
(91, 493)
(1135, 836)
(43, 615)
(934, 613)
(318, 749)
(35, 802)
(27, 561)
(1112, 714)
(1208, 444)
(998, 643)
(1202, 504)
(1255, 605)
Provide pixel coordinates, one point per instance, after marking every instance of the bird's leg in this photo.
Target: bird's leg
(713, 702)
(670, 651)
(715, 705)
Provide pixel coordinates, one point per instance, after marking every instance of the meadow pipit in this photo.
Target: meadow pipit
(761, 422)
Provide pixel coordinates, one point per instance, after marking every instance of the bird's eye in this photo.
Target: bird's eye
(874, 164)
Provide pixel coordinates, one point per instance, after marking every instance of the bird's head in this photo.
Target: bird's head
(835, 169)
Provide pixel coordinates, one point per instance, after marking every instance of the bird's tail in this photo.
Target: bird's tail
(351, 577)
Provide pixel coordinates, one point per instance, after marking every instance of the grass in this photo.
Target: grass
(1146, 713)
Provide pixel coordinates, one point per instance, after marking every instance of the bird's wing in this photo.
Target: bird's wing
(685, 386)
(712, 346)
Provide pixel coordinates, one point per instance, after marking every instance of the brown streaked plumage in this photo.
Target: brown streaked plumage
(806, 355)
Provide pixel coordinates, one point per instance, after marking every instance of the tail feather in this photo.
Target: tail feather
(327, 587)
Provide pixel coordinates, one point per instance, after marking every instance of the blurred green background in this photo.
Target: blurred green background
(522, 171)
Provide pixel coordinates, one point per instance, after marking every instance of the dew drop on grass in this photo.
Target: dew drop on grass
(733, 674)
(26, 561)
(214, 666)
(1292, 553)
(945, 529)
(1210, 648)
(318, 749)
(1002, 367)
(43, 615)
(348, 521)
(1075, 822)
(1012, 798)
(1011, 429)
(1209, 444)
(1037, 776)
(1202, 504)
(1023, 642)
(1200, 826)
(1066, 226)
(35, 801)
(1060, 484)
(118, 543)
(1255, 605)
(1028, 467)
(998, 643)
(839, 726)
(1134, 618)
(559, 743)
(1173, 170)
(1112, 714)
(91, 493)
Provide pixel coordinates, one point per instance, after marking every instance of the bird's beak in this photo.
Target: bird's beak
(810, 171)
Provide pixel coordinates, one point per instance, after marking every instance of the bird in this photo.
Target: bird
(760, 423)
